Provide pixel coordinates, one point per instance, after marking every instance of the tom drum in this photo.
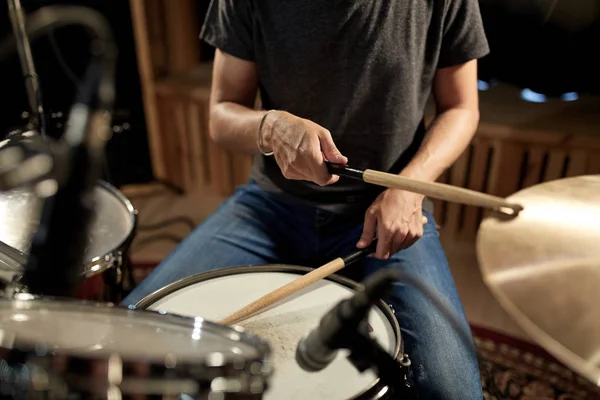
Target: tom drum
(111, 234)
(214, 295)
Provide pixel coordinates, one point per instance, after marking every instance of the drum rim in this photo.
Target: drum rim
(183, 369)
(105, 261)
(377, 387)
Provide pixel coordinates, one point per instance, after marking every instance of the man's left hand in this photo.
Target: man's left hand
(396, 216)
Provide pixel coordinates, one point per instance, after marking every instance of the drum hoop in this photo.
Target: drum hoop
(173, 287)
(104, 261)
(187, 371)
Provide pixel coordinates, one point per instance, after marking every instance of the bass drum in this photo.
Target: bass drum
(68, 349)
(216, 294)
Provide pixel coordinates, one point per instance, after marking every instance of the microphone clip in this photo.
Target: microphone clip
(366, 353)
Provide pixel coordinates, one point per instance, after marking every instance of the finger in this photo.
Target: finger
(415, 232)
(400, 240)
(369, 226)
(320, 176)
(329, 148)
(408, 241)
(332, 178)
(384, 241)
(316, 165)
(419, 224)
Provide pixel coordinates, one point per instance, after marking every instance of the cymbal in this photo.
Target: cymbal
(543, 266)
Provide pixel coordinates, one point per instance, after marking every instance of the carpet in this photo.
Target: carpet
(510, 368)
(515, 369)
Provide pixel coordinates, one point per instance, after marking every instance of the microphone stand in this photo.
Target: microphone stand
(32, 81)
(366, 353)
(56, 259)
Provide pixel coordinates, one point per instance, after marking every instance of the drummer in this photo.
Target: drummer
(345, 82)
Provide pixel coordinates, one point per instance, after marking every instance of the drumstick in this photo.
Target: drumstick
(296, 285)
(435, 190)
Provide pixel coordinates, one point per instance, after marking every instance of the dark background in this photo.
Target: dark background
(528, 50)
(549, 52)
(127, 154)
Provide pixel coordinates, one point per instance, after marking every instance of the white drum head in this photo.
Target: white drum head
(113, 224)
(20, 212)
(282, 326)
(80, 329)
(87, 350)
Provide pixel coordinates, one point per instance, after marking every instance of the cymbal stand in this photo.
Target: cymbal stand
(32, 81)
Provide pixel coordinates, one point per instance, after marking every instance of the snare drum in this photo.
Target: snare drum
(216, 294)
(112, 231)
(61, 349)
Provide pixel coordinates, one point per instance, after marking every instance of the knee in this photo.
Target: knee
(460, 381)
(444, 363)
(444, 367)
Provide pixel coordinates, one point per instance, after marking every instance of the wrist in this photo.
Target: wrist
(264, 138)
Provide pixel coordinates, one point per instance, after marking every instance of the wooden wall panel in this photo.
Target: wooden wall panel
(181, 33)
(193, 158)
(147, 81)
(503, 164)
(478, 176)
(458, 177)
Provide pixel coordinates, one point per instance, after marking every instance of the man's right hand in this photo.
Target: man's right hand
(300, 147)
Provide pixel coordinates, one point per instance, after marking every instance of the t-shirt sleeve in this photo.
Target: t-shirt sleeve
(229, 27)
(464, 36)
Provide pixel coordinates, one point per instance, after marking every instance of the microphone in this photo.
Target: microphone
(319, 348)
(56, 257)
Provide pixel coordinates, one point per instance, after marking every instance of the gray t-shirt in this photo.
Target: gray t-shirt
(361, 68)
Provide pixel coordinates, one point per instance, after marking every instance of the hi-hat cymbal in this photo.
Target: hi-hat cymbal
(543, 266)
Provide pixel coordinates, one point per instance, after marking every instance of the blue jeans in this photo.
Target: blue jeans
(256, 227)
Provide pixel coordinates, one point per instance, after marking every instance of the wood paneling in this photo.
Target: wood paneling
(502, 164)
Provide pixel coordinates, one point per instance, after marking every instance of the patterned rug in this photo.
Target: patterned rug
(510, 368)
(514, 369)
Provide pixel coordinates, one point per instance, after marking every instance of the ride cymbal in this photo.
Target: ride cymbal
(543, 266)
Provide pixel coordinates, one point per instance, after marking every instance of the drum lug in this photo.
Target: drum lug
(392, 308)
(118, 259)
(14, 290)
(405, 361)
(407, 390)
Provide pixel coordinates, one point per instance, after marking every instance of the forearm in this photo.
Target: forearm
(235, 127)
(446, 139)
